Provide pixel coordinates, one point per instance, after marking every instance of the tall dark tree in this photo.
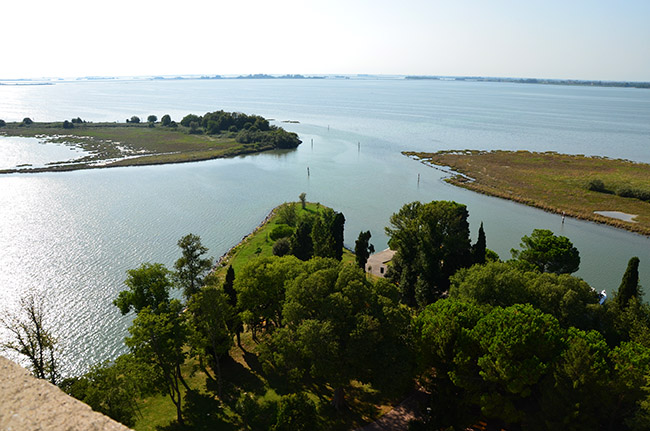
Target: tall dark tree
(234, 323)
(165, 120)
(191, 267)
(629, 287)
(152, 118)
(431, 242)
(338, 226)
(302, 245)
(478, 249)
(303, 199)
(363, 249)
(31, 336)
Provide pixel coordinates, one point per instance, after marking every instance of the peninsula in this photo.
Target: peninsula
(134, 143)
(615, 192)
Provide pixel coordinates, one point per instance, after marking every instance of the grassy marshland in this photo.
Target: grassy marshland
(553, 182)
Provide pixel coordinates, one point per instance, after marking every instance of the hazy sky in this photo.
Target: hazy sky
(581, 39)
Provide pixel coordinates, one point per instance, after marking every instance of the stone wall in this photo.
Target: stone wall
(30, 404)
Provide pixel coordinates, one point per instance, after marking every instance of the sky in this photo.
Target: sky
(569, 39)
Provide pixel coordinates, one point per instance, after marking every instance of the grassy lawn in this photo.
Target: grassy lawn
(119, 144)
(553, 182)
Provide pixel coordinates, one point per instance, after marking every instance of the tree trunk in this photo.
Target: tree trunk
(339, 398)
(239, 339)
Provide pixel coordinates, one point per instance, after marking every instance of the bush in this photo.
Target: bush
(152, 118)
(287, 214)
(2, 123)
(628, 192)
(68, 125)
(296, 412)
(135, 119)
(27, 121)
(282, 247)
(281, 231)
(165, 120)
(77, 120)
(597, 186)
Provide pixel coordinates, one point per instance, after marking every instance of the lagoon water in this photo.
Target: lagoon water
(71, 236)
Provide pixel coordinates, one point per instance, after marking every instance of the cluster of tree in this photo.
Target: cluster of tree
(308, 234)
(247, 129)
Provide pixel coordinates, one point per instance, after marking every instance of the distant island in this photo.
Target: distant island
(213, 135)
(534, 81)
(614, 192)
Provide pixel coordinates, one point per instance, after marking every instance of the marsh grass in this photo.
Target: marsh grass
(553, 182)
(119, 144)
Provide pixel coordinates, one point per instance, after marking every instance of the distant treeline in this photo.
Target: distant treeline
(535, 81)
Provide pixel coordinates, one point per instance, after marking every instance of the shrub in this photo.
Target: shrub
(166, 120)
(597, 186)
(628, 192)
(68, 125)
(282, 247)
(287, 214)
(135, 119)
(27, 121)
(152, 118)
(281, 231)
(2, 123)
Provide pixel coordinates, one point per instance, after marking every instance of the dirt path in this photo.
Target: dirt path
(399, 418)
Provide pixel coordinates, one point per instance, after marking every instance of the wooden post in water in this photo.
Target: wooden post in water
(307, 171)
(418, 179)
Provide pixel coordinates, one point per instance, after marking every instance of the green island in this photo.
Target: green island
(575, 185)
(287, 332)
(134, 143)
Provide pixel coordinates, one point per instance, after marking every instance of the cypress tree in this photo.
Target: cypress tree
(337, 232)
(629, 287)
(362, 249)
(234, 324)
(478, 249)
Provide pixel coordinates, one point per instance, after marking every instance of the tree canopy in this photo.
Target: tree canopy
(431, 242)
(548, 253)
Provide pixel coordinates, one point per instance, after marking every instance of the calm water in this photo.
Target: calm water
(73, 235)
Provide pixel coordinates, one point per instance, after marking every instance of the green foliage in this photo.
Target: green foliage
(629, 287)
(282, 247)
(191, 267)
(135, 120)
(548, 253)
(68, 125)
(363, 249)
(148, 288)
(2, 123)
(190, 118)
(260, 287)
(152, 119)
(597, 186)
(431, 243)
(287, 214)
(113, 388)
(26, 121)
(208, 315)
(166, 120)
(159, 339)
(281, 231)
(302, 245)
(327, 234)
(338, 328)
(479, 249)
(296, 412)
(303, 199)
